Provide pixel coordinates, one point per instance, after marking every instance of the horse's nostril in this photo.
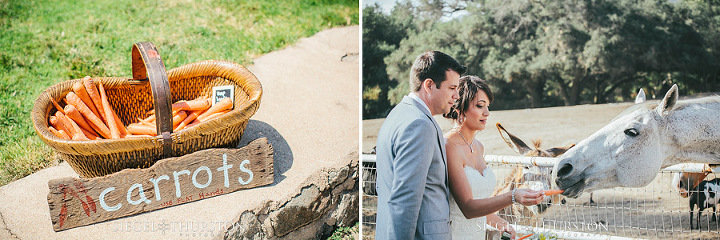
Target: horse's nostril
(564, 170)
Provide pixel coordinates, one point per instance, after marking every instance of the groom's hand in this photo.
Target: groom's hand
(529, 197)
(506, 227)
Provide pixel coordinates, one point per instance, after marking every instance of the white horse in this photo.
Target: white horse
(644, 138)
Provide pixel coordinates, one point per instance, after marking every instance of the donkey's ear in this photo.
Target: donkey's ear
(557, 151)
(668, 101)
(514, 142)
(640, 97)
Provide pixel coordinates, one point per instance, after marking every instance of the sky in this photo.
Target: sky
(386, 5)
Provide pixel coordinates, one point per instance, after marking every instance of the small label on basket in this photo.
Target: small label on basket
(221, 92)
(75, 202)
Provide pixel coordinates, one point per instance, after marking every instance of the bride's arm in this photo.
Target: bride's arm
(461, 191)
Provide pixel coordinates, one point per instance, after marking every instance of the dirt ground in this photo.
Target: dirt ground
(652, 212)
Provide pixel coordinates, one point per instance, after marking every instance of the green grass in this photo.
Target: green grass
(346, 232)
(44, 42)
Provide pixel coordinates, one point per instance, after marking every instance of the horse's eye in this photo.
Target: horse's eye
(631, 132)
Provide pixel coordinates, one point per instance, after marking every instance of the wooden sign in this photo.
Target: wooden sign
(78, 202)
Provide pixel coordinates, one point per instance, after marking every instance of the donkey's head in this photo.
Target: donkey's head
(685, 182)
(533, 177)
(628, 152)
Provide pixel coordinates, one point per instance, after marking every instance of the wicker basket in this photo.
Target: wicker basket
(153, 88)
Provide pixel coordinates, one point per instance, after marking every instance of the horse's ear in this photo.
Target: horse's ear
(514, 142)
(557, 151)
(668, 101)
(640, 96)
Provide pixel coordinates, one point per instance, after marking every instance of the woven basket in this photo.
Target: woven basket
(152, 88)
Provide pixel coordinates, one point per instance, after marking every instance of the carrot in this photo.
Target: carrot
(56, 104)
(193, 123)
(62, 125)
(121, 127)
(553, 192)
(524, 237)
(137, 129)
(58, 133)
(56, 124)
(76, 116)
(75, 130)
(190, 117)
(178, 118)
(150, 118)
(79, 89)
(137, 136)
(95, 122)
(92, 91)
(109, 118)
(64, 134)
(214, 115)
(200, 103)
(197, 104)
(144, 122)
(90, 134)
(224, 104)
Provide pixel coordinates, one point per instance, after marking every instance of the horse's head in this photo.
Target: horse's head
(628, 152)
(684, 182)
(534, 177)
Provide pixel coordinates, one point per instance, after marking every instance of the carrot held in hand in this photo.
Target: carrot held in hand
(553, 192)
(95, 122)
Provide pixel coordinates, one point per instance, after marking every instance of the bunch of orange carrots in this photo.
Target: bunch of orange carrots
(88, 115)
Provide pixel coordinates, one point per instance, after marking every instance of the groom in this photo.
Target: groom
(412, 185)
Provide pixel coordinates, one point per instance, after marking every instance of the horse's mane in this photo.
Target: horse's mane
(678, 106)
(697, 101)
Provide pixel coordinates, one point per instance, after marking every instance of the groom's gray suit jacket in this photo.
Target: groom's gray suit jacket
(413, 196)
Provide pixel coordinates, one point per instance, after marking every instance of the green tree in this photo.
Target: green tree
(381, 35)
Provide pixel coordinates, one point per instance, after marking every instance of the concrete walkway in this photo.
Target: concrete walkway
(309, 112)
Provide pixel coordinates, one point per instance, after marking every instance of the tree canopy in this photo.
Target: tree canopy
(543, 53)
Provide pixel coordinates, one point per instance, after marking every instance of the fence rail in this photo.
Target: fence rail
(654, 211)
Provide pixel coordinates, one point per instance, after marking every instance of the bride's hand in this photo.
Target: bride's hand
(528, 197)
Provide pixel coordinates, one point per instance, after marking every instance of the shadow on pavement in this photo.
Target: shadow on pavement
(283, 156)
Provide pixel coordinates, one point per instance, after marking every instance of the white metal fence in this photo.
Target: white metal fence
(656, 211)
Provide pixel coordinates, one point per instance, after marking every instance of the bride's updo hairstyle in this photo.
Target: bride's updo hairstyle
(468, 89)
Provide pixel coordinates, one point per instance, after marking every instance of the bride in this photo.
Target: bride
(471, 181)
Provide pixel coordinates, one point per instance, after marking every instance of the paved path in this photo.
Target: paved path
(309, 112)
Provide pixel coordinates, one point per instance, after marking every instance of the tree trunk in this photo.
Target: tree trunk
(536, 87)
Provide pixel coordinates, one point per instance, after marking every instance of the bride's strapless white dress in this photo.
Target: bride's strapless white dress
(482, 186)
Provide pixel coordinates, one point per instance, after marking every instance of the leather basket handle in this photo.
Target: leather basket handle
(147, 65)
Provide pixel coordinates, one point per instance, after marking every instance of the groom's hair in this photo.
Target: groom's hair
(433, 65)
